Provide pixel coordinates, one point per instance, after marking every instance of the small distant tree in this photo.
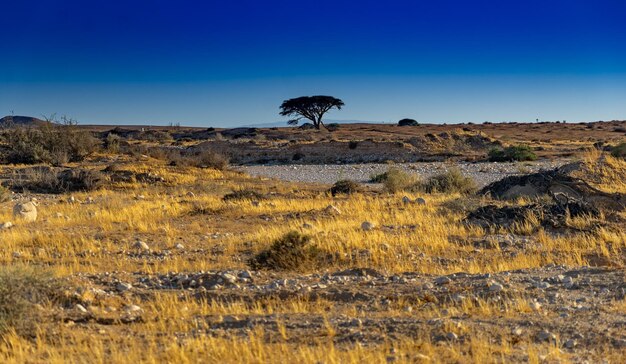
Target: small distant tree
(408, 122)
(309, 107)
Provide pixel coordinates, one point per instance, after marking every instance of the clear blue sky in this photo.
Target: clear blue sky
(228, 63)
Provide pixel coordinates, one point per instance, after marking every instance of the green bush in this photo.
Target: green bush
(344, 187)
(396, 180)
(619, 151)
(450, 181)
(512, 154)
(293, 251)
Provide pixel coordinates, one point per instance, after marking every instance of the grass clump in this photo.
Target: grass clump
(292, 251)
(21, 289)
(396, 180)
(344, 186)
(619, 151)
(242, 195)
(450, 181)
(512, 154)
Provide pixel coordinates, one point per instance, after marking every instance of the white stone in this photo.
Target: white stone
(25, 211)
(140, 245)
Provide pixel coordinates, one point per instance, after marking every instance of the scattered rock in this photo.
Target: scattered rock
(179, 246)
(406, 200)
(123, 287)
(332, 210)
(452, 336)
(26, 211)
(367, 226)
(420, 201)
(495, 287)
(545, 335)
(442, 280)
(6, 225)
(140, 245)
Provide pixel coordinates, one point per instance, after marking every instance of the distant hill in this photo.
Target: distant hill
(21, 121)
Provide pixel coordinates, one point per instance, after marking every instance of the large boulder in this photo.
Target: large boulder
(26, 211)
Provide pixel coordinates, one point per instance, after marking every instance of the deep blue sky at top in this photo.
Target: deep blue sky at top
(227, 63)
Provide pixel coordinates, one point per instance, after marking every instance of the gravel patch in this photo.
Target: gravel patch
(483, 173)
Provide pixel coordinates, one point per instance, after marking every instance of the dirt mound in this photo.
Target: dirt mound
(552, 215)
(558, 183)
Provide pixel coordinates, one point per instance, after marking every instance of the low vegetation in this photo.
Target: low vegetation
(619, 151)
(293, 251)
(512, 154)
(451, 181)
(51, 143)
(23, 292)
(345, 187)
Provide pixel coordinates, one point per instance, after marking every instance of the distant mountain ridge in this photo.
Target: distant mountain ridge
(11, 120)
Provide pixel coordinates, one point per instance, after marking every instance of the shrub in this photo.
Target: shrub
(344, 186)
(297, 156)
(408, 122)
(332, 127)
(352, 144)
(512, 154)
(449, 182)
(619, 151)
(243, 195)
(48, 180)
(396, 180)
(112, 143)
(5, 194)
(50, 143)
(21, 289)
(199, 158)
(293, 251)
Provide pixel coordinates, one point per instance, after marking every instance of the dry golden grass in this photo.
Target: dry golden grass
(71, 238)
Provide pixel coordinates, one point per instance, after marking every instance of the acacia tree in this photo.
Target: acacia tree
(309, 107)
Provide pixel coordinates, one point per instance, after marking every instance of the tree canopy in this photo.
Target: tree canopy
(309, 107)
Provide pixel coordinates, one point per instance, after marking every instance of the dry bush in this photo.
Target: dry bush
(344, 186)
(293, 251)
(21, 290)
(47, 180)
(5, 194)
(619, 151)
(55, 144)
(396, 180)
(243, 195)
(450, 181)
(189, 158)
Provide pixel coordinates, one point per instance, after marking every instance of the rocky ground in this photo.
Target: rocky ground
(483, 172)
(572, 308)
